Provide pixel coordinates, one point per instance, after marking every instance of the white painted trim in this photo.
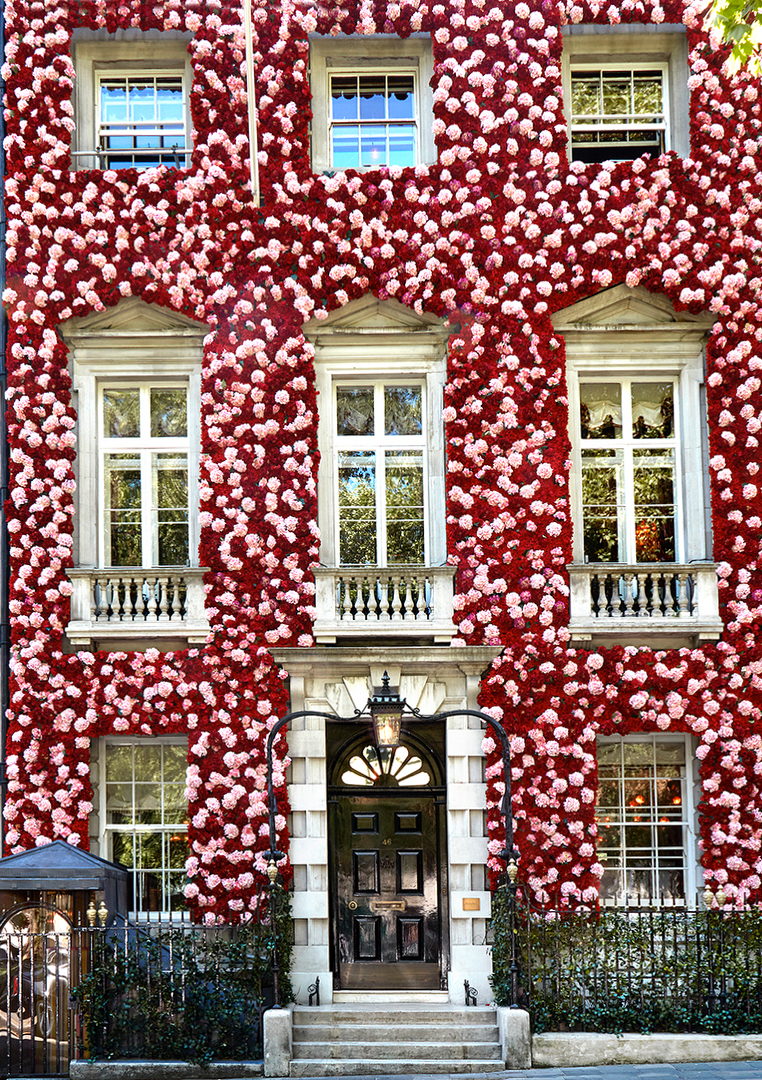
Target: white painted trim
(369, 341)
(692, 789)
(119, 55)
(360, 53)
(106, 832)
(137, 342)
(633, 45)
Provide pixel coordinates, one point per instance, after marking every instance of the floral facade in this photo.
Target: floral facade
(494, 238)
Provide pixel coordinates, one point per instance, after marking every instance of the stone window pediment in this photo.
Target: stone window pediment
(639, 481)
(136, 374)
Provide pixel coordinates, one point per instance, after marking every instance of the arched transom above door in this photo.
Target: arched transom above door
(370, 766)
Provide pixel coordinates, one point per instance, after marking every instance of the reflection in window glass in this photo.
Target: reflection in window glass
(147, 819)
(381, 492)
(357, 508)
(372, 120)
(145, 493)
(617, 114)
(641, 817)
(404, 507)
(139, 115)
(354, 410)
(629, 469)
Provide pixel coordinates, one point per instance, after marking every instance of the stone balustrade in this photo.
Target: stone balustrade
(136, 603)
(354, 602)
(665, 598)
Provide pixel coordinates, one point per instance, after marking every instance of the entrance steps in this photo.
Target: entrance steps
(385, 1039)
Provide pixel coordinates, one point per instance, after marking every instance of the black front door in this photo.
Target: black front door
(387, 917)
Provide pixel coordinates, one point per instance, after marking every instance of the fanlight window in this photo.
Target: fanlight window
(385, 767)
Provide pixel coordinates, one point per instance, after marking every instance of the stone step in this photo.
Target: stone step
(384, 1051)
(418, 1032)
(439, 1015)
(390, 1067)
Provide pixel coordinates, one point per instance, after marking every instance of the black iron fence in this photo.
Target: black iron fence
(640, 966)
(158, 990)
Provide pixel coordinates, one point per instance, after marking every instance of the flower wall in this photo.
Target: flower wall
(496, 236)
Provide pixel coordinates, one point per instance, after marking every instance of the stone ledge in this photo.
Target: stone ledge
(555, 1050)
(164, 1070)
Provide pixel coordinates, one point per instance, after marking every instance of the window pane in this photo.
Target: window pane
(121, 414)
(585, 90)
(148, 761)
(600, 410)
(175, 804)
(654, 506)
(603, 506)
(646, 835)
(402, 150)
(354, 410)
(169, 413)
(119, 804)
(123, 510)
(169, 101)
(175, 763)
(170, 512)
(142, 99)
(401, 97)
(345, 145)
(653, 411)
(114, 101)
(404, 507)
(344, 97)
(402, 410)
(119, 763)
(372, 97)
(647, 94)
(148, 804)
(357, 508)
(616, 94)
(373, 145)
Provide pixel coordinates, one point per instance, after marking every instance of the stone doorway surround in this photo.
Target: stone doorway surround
(432, 679)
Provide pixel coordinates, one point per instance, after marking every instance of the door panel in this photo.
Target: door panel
(386, 895)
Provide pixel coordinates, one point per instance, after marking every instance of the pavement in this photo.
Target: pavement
(709, 1070)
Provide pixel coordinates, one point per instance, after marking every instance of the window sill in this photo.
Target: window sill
(135, 604)
(667, 600)
(94, 159)
(402, 601)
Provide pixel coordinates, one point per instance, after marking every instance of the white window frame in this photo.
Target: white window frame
(628, 447)
(371, 341)
(379, 444)
(635, 46)
(691, 541)
(415, 122)
(625, 123)
(134, 342)
(690, 795)
(645, 338)
(107, 831)
(97, 54)
(143, 447)
(104, 132)
(365, 55)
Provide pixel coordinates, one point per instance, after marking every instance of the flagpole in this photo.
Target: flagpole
(251, 96)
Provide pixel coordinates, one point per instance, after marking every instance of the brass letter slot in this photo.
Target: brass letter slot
(387, 905)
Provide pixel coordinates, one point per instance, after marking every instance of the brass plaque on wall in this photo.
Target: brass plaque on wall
(471, 903)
